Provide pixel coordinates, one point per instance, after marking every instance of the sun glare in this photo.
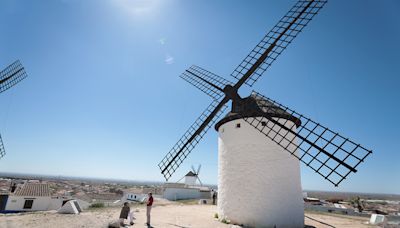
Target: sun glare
(138, 7)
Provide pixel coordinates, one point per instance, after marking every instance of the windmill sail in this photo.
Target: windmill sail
(247, 72)
(174, 158)
(11, 75)
(198, 170)
(198, 178)
(326, 152)
(2, 150)
(329, 154)
(276, 41)
(210, 83)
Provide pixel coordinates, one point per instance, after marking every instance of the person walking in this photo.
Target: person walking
(149, 205)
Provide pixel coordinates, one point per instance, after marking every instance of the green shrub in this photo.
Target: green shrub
(97, 205)
(225, 221)
(216, 215)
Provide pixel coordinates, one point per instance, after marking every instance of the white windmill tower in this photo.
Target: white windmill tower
(261, 172)
(192, 177)
(261, 141)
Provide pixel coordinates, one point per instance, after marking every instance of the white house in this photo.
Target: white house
(31, 197)
(129, 196)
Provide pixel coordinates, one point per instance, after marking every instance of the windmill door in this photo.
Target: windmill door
(3, 202)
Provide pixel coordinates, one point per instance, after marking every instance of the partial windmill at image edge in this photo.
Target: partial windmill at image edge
(9, 77)
(326, 152)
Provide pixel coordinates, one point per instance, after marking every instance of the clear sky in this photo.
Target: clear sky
(104, 98)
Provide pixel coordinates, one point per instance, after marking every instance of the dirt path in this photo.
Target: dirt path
(169, 216)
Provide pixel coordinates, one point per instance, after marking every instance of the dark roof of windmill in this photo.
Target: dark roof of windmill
(33, 189)
(190, 174)
(258, 107)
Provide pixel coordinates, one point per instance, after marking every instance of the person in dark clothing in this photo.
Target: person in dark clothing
(13, 187)
(149, 205)
(124, 214)
(214, 197)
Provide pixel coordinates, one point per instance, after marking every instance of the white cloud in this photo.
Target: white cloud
(162, 41)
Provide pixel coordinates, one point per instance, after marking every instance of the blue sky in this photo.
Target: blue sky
(103, 97)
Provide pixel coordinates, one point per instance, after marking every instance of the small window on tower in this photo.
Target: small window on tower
(263, 123)
(238, 125)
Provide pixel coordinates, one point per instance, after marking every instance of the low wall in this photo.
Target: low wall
(181, 193)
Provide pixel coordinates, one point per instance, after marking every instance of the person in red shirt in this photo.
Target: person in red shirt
(149, 205)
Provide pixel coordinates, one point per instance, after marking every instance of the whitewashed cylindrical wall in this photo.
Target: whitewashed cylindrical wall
(258, 181)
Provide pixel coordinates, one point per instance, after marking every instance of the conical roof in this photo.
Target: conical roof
(190, 174)
(256, 106)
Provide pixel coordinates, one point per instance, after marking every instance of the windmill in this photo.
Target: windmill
(259, 139)
(9, 77)
(192, 176)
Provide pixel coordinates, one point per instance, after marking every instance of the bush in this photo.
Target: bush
(225, 221)
(216, 215)
(97, 205)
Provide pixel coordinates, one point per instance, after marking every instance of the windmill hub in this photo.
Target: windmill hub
(231, 93)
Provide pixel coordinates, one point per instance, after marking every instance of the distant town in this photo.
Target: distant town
(88, 190)
(92, 193)
(110, 190)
